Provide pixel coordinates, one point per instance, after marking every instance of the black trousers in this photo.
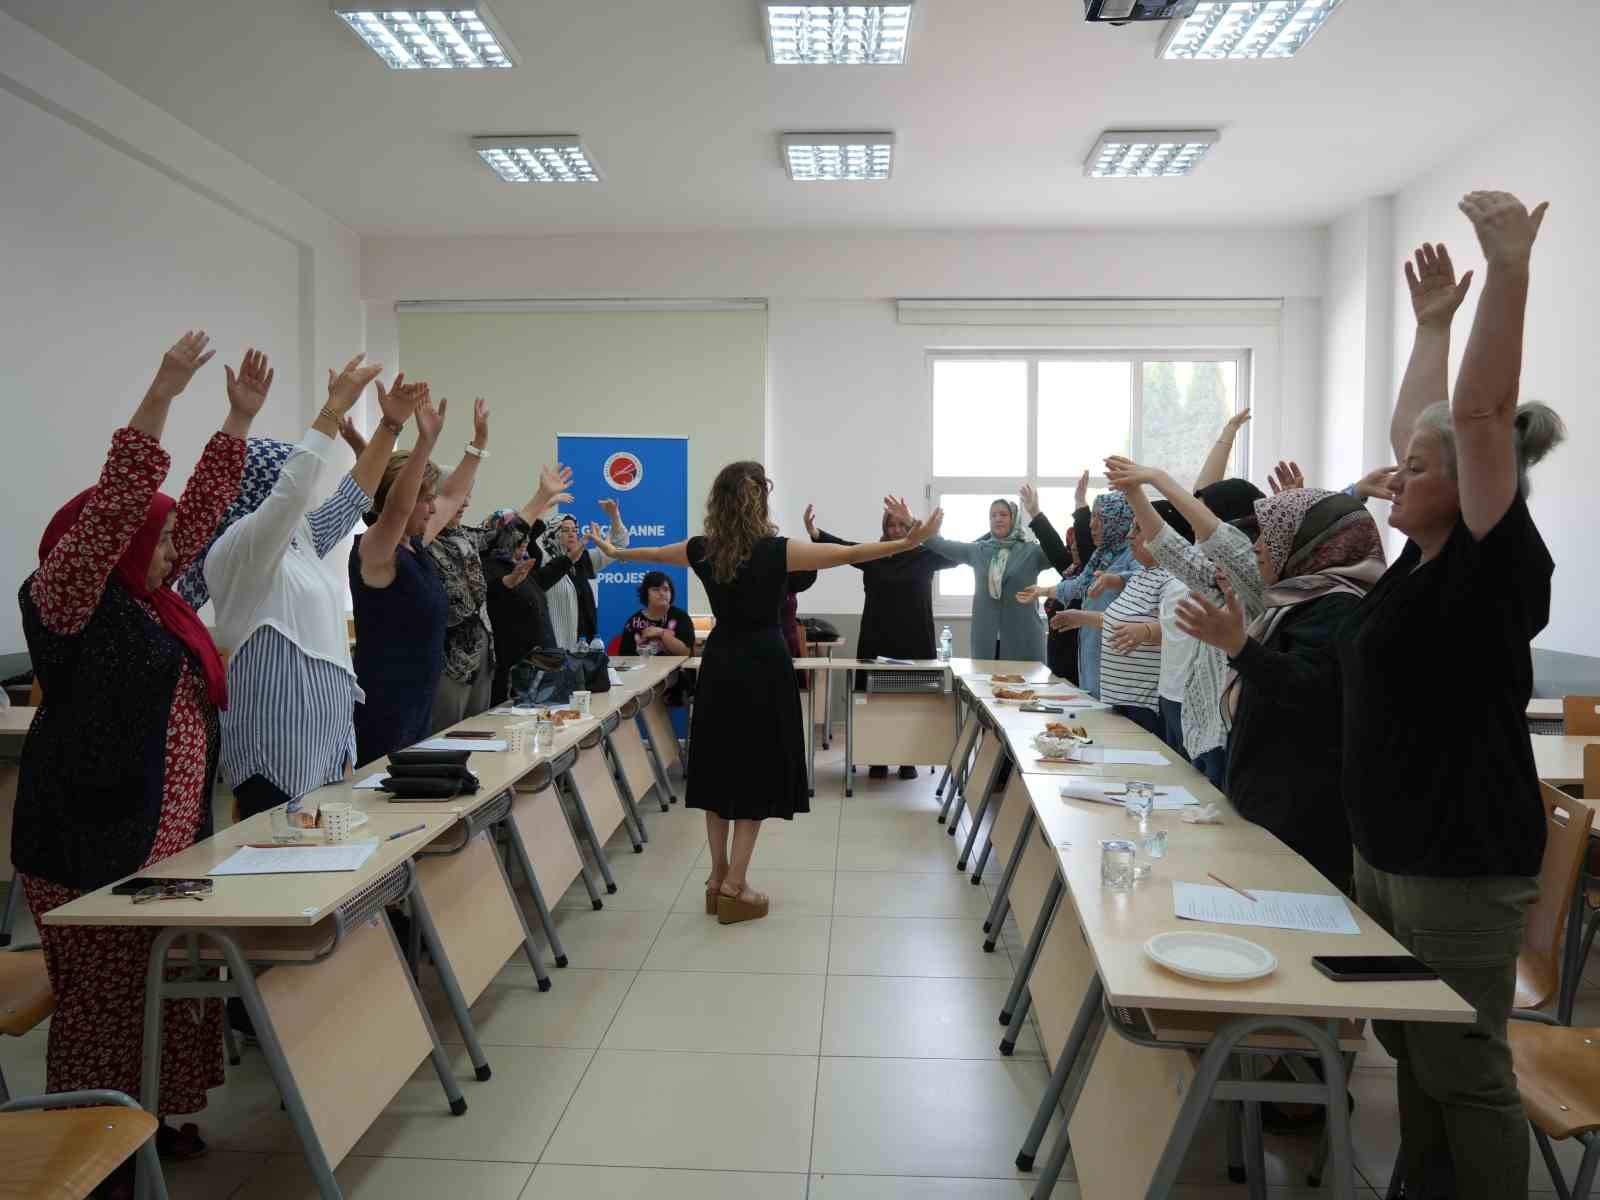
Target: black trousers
(257, 794)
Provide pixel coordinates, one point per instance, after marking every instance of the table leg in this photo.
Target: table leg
(827, 704)
(423, 918)
(519, 851)
(811, 731)
(1086, 1030)
(849, 727)
(1255, 1157)
(1030, 956)
(996, 787)
(1002, 895)
(630, 806)
(962, 764)
(657, 763)
(570, 785)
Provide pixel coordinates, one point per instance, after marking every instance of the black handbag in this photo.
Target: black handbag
(819, 630)
(548, 677)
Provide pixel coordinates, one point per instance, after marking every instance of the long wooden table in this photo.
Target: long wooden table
(1558, 757)
(297, 946)
(1086, 973)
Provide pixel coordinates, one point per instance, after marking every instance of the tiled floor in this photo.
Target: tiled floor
(842, 1049)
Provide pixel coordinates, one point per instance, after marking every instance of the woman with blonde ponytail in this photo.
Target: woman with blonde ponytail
(749, 743)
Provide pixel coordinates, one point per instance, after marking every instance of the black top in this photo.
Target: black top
(1061, 646)
(749, 758)
(677, 622)
(520, 616)
(399, 650)
(88, 808)
(897, 612)
(1439, 775)
(1284, 748)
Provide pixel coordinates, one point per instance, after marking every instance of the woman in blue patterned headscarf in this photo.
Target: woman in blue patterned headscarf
(1097, 585)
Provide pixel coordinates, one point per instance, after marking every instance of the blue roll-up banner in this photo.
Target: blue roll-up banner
(648, 477)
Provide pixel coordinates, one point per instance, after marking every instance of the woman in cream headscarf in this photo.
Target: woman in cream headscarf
(1007, 562)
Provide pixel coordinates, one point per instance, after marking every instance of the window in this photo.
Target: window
(1001, 419)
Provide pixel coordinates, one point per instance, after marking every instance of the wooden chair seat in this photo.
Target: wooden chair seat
(25, 995)
(1558, 1073)
(66, 1153)
(1537, 982)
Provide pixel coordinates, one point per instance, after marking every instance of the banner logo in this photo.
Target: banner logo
(623, 471)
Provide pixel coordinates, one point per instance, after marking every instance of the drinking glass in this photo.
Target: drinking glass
(1140, 801)
(1117, 864)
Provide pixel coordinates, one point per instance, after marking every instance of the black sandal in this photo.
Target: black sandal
(180, 1144)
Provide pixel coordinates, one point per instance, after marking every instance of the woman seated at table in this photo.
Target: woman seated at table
(1318, 554)
(897, 609)
(289, 725)
(572, 608)
(399, 602)
(116, 773)
(659, 627)
(1007, 561)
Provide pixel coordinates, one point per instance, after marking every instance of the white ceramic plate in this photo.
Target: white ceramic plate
(1216, 957)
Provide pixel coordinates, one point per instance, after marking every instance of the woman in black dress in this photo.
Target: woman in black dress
(749, 744)
(897, 613)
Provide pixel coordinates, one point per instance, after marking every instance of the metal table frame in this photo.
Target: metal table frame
(242, 971)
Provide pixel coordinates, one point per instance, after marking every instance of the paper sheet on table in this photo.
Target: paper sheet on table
(1306, 912)
(1106, 754)
(616, 680)
(1111, 791)
(372, 783)
(450, 743)
(295, 860)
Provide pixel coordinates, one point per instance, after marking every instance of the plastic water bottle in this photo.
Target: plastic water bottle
(597, 644)
(947, 644)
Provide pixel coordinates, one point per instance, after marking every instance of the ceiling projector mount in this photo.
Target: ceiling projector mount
(1119, 12)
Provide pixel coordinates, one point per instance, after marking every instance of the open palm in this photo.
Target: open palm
(1435, 294)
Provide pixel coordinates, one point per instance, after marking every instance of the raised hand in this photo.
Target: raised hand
(811, 520)
(1069, 618)
(480, 423)
(178, 365)
(400, 402)
(1374, 485)
(1506, 229)
(575, 551)
(1286, 477)
(247, 391)
(1222, 627)
(1435, 294)
(1105, 581)
(927, 528)
(1030, 500)
(554, 481)
(430, 420)
(1080, 494)
(897, 508)
(352, 436)
(345, 388)
(1029, 594)
(1236, 422)
(514, 577)
(1123, 473)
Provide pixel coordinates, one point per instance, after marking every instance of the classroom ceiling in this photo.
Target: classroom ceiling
(994, 112)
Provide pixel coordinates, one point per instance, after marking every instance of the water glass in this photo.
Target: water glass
(1140, 801)
(282, 829)
(544, 735)
(1117, 864)
(1153, 844)
(581, 700)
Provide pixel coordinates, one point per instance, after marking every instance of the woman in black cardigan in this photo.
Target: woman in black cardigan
(519, 614)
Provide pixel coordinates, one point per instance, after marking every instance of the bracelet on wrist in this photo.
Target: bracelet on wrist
(329, 414)
(475, 452)
(393, 426)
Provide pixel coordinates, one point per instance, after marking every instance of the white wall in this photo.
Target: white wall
(848, 408)
(1538, 159)
(1357, 392)
(122, 228)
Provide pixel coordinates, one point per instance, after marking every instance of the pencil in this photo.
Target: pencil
(1230, 887)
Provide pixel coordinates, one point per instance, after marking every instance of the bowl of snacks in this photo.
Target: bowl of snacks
(1059, 742)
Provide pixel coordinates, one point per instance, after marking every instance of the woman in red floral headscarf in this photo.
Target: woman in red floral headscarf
(117, 769)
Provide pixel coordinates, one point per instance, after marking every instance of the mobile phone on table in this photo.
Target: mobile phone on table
(1371, 968)
(129, 887)
(472, 733)
(1036, 707)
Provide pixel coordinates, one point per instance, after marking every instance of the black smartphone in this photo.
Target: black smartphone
(129, 887)
(1371, 968)
(472, 733)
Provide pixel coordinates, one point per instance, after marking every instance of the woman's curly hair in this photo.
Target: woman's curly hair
(736, 517)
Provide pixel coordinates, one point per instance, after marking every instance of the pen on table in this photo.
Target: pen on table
(1231, 888)
(403, 832)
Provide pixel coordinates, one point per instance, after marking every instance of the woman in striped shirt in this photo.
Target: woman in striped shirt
(288, 729)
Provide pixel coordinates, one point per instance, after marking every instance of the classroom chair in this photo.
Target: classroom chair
(25, 997)
(55, 1150)
(1581, 716)
(1548, 969)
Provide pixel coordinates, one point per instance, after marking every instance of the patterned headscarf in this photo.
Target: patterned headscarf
(508, 537)
(1016, 536)
(263, 461)
(1116, 523)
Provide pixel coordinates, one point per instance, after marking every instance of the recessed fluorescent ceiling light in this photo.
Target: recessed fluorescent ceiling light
(1147, 153)
(554, 158)
(838, 34)
(413, 39)
(810, 157)
(1241, 29)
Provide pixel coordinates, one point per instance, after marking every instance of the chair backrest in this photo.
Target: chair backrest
(1591, 771)
(35, 695)
(614, 646)
(1582, 715)
(1567, 823)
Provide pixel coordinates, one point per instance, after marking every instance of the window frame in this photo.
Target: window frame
(939, 486)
